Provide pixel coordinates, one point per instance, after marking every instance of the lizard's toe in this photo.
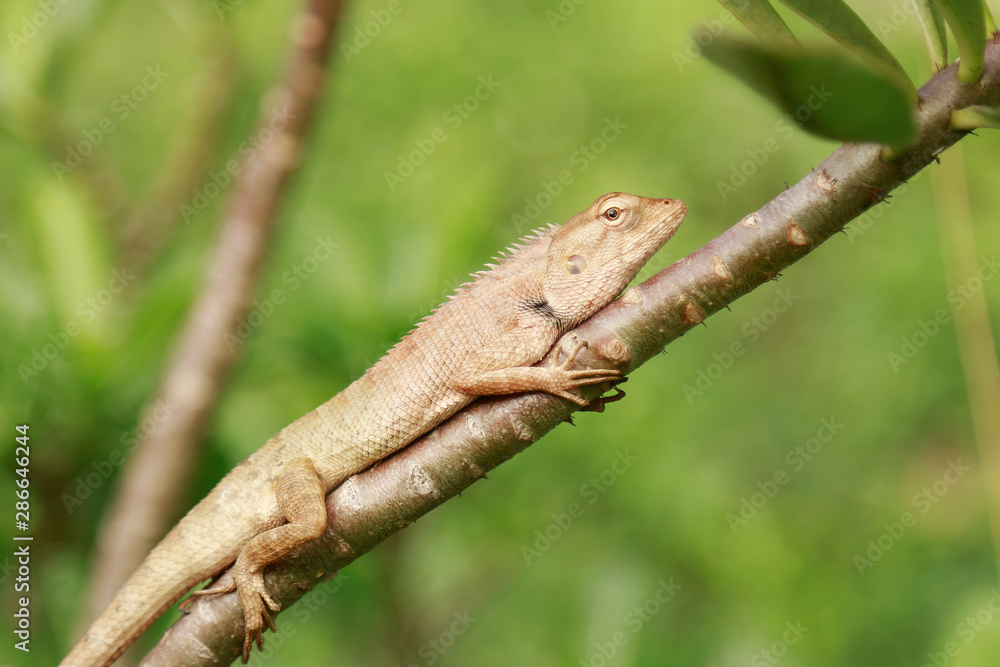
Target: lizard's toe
(248, 645)
(256, 601)
(272, 605)
(255, 627)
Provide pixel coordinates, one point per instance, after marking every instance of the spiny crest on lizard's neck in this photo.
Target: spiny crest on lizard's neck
(514, 260)
(582, 265)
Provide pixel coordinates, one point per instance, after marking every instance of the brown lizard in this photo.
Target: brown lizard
(480, 342)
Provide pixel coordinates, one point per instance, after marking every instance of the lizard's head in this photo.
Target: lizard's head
(595, 255)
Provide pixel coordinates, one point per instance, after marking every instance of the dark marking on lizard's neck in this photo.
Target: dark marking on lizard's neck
(541, 307)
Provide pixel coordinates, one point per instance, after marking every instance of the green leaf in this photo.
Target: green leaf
(937, 39)
(828, 94)
(839, 21)
(967, 20)
(975, 117)
(759, 16)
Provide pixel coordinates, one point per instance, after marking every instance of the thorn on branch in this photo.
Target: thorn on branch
(875, 196)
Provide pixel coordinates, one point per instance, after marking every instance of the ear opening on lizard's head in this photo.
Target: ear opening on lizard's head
(575, 265)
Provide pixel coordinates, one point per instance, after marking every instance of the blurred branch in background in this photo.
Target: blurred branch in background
(201, 360)
(974, 335)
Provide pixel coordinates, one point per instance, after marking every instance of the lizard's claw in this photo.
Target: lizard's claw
(562, 379)
(256, 602)
(597, 405)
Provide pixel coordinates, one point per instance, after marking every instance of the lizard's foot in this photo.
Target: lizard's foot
(256, 602)
(561, 379)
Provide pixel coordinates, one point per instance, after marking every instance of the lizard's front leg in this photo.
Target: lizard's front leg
(557, 379)
(301, 502)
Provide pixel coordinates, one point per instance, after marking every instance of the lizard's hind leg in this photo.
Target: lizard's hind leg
(301, 501)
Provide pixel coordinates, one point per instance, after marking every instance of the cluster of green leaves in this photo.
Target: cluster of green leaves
(871, 98)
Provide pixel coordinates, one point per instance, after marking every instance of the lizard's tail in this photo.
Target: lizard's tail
(187, 555)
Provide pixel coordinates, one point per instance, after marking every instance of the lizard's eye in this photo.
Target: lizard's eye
(612, 213)
(576, 265)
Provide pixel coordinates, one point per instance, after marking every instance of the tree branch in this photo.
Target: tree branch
(154, 477)
(371, 506)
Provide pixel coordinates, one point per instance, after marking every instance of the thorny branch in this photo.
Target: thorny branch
(375, 504)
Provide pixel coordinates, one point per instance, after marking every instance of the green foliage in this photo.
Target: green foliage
(829, 94)
(759, 16)
(934, 31)
(870, 111)
(975, 117)
(967, 20)
(839, 21)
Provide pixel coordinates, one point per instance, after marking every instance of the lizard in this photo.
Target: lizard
(482, 341)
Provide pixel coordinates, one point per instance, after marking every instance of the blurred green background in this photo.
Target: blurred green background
(655, 571)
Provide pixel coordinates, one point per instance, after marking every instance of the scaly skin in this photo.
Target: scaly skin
(483, 341)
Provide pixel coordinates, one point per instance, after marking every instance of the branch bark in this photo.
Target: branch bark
(371, 506)
(154, 477)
